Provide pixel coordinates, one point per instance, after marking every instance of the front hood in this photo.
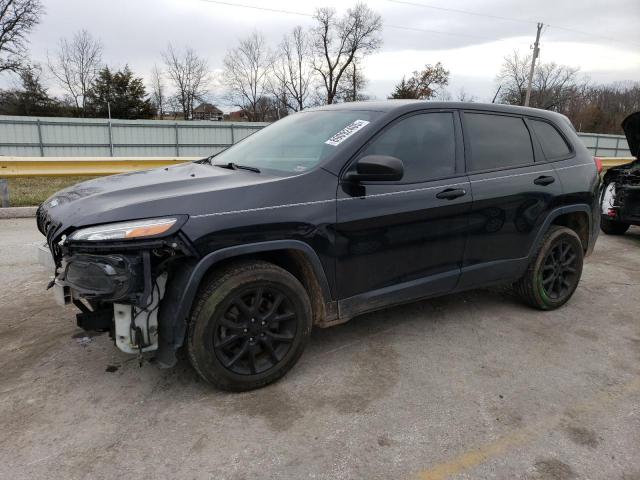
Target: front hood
(175, 190)
(631, 127)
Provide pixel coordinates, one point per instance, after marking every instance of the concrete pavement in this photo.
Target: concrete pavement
(473, 385)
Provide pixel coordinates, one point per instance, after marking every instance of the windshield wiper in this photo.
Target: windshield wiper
(235, 166)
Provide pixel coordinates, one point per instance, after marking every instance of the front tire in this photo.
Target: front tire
(554, 272)
(249, 325)
(613, 227)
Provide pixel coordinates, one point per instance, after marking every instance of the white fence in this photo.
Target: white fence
(89, 137)
(606, 145)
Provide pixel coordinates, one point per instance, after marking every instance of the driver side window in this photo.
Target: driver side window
(425, 143)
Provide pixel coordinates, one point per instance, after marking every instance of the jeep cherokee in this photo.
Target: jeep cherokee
(324, 215)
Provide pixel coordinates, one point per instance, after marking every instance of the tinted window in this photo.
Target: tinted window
(425, 143)
(497, 141)
(553, 145)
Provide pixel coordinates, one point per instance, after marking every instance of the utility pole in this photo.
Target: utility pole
(536, 51)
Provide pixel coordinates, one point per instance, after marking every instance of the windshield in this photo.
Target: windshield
(298, 142)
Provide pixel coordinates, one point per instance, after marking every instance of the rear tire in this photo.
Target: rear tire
(613, 227)
(249, 325)
(554, 272)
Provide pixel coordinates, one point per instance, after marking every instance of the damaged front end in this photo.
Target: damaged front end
(621, 186)
(117, 275)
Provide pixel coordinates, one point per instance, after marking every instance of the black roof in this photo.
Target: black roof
(409, 105)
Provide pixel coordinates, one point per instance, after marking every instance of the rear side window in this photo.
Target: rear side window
(425, 143)
(553, 145)
(497, 141)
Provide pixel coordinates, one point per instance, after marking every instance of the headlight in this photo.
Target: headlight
(124, 230)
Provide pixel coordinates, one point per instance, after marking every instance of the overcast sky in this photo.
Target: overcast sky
(472, 47)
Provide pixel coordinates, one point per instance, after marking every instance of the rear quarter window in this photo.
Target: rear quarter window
(497, 141)
(552, 143)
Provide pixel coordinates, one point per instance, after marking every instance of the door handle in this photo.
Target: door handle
(544, 180)
(451, 193)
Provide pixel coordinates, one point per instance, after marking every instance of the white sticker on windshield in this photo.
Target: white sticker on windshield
(346, 132)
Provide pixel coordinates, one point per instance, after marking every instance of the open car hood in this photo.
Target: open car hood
(631, 127)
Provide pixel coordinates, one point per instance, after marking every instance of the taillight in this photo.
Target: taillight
(598, 164)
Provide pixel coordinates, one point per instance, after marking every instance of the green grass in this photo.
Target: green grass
(32, 191)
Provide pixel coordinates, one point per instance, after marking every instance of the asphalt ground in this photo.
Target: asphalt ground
(473, 385)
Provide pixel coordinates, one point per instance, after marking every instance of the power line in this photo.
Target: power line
(264, 9)
(457, 10)
(573, 30)
(397, 27)
(509, 19)
(425, 30)
(416, 29)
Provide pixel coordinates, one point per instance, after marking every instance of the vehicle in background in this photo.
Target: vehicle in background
(620, 196)
(320, 217)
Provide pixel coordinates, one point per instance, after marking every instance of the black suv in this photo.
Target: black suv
(322, 216)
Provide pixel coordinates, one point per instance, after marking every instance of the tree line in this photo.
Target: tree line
(318, 65)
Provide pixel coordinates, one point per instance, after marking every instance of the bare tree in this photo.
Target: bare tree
(246, 74)
(292, 70)
(17, 19)
(601, 108)
(463, 96)
(158, 91)
(337, 41)
(352, 83)
(75, 65)
(189, 75)
(553, 85)
(281, 102)
(513, 78)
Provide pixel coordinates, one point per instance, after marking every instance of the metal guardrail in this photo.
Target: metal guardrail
(612, 162)
(89, 166)
(12, 167)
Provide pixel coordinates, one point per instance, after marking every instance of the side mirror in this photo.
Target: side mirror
(372, 168)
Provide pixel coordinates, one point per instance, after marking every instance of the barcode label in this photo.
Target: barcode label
(346, 132)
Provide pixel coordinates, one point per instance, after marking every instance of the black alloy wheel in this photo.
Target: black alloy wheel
(249, 325)
(554, 270)
(559, 270)
(256, 332)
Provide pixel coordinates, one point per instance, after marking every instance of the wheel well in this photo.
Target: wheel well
(578, 222)
(297, 264)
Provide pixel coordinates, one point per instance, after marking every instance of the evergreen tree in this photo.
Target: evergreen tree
(31, 98)
(120, 91)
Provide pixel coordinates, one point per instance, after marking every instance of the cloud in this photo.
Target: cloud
(470, 46)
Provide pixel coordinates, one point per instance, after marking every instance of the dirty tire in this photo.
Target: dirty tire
(531, 288)
(612, 227)
(249, 325)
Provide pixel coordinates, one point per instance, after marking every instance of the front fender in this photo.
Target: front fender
(184, 283)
